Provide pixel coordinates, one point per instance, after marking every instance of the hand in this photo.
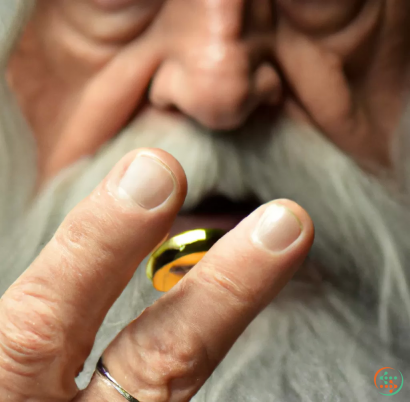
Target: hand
(50, 316)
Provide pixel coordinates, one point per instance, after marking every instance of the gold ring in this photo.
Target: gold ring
(175, 257)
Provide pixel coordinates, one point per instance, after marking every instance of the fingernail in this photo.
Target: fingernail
(277, 229)
(147, 181)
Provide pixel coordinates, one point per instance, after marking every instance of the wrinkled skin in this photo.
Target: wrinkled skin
(341, 66)
(84, 69)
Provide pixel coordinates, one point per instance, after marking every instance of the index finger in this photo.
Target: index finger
(49, 317)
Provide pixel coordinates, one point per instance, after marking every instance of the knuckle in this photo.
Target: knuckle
(86, 236)
(218, 280)
(168, 358)
(75, 232)
(30, 332)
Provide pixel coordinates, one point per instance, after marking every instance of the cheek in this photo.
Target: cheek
(111, 21)
(322, 88)
(320, 16)
(112, 4)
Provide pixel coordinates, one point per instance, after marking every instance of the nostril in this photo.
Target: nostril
(218, 101)
(165, 85)
(268, 85)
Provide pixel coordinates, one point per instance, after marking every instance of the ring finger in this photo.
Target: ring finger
(172, 348)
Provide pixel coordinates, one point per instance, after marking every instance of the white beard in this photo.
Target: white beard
(318, 341)
(357, 315)
(361, 225)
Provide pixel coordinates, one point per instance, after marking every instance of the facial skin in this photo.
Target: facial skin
(339, 66)
(83, 71)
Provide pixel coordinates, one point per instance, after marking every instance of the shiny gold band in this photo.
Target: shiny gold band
(176, 256)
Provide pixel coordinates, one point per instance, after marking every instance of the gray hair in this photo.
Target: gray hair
(326, 334)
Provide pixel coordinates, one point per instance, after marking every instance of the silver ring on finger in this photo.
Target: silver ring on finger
(104, 373)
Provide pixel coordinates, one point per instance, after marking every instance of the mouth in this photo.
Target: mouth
(185, 246)
(215, 212)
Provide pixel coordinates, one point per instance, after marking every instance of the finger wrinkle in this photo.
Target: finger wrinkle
(91, 235)
(30, 331)
(168, 351)
(218, 280)
(166, 362)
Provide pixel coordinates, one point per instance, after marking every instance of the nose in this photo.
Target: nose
(218, 71)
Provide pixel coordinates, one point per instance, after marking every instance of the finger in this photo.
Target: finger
(173, 347)
(49, 317)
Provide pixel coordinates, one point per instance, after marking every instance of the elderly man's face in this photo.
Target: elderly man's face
(275, 99)
(341, 66)
(263, 91)
(328, 62)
